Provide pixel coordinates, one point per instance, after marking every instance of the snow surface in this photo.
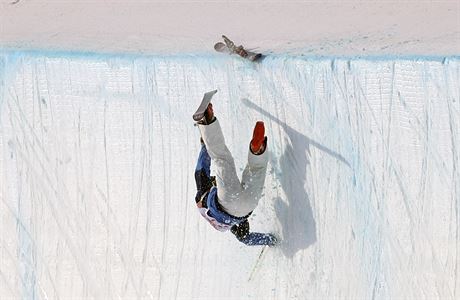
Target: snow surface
(97, 188)
(329, 27)
(97, 151)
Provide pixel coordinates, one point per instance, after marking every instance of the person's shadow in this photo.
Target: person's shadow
(295, 213)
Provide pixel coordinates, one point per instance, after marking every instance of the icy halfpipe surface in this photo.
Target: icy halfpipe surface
(97, 190)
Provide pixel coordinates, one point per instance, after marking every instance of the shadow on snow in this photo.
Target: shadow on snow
(295, 214)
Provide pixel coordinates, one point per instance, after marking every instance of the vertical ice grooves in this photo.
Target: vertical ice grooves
(97, 159)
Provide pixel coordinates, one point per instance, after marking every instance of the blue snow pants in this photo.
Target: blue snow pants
(203, 174)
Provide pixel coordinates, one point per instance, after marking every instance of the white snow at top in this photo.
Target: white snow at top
(97, 155)
(332, 27)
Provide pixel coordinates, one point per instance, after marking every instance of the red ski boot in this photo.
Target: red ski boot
(258, 142)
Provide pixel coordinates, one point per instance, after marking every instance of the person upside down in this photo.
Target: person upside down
(224, 201)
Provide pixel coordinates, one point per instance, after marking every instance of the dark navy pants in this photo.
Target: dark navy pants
(203, 173)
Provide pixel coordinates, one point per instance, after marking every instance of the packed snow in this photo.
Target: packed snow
(97, 187)
(332, 27)
(361, 101)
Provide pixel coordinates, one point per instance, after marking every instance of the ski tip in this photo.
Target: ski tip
(210, 93)
(219, 46)
(258, 57)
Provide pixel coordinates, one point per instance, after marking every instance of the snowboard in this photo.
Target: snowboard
(199, 114)
(230, 48)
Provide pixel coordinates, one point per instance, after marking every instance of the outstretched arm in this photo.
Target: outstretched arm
(243, 235)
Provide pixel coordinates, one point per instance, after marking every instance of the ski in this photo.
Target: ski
(258, 261)
(230, 48)
(199, 114)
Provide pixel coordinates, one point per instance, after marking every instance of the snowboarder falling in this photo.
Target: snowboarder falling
(227, 203)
